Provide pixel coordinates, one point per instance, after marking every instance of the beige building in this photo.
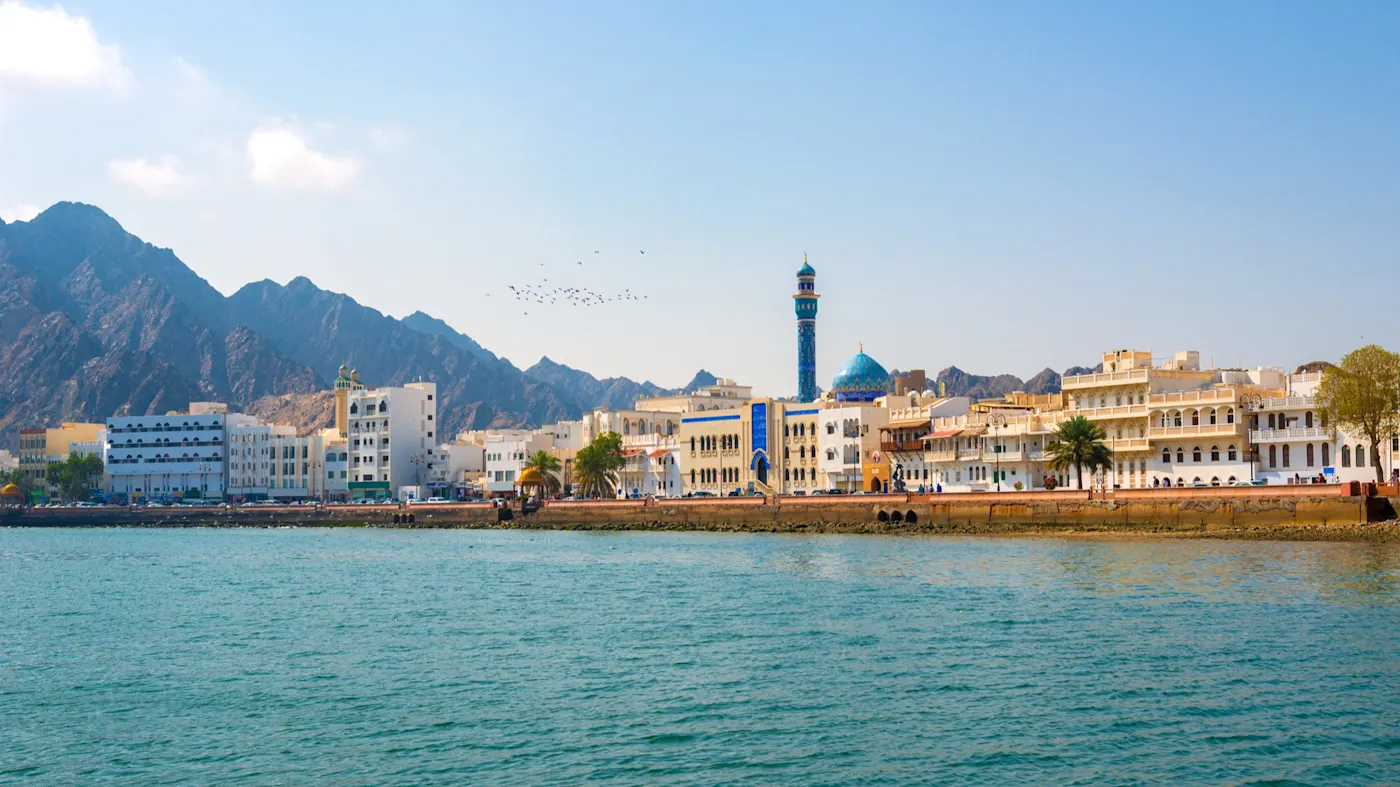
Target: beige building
(39, 447)
(725, 394)
(763, 446)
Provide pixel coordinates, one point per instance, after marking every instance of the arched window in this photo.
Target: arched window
(1229, 415)
(1176, 418)
(1195, 417)
(1166, 456)
(1273, 456)
(383, 407)
(1211, 421)
(786, 455)
(1196, 454)
(692, 444)
(1230, 454)
(354, 408)
(1326, 454)
(1360, 456)
(802, 452)
(1345, 453)
(1307, 419)
(787, 474)
(787, 430)
(1285, 454)
(1271, 420)
(1180, 455)
(1309, 453)
(1215, 452)
(627, 427)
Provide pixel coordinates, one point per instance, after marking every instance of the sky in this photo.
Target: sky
(1000, 186)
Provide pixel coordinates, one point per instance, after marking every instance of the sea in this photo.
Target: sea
(392, 657)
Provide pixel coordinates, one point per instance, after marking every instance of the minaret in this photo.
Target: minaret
(806, 302)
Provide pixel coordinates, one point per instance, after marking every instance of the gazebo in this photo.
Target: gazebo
(11, 496)
(532, 479)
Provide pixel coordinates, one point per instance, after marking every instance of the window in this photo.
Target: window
(1196, 454)
(1273, 456)
(1212, 422)
(1176, 418)
(1214, 452)
(1180, 455)
(1195, 418)
(1326, 454)
(1285, 455)
(1230, 454)
(1307, 419)
(1271, 420)
(1166, 456)
(1360, 456)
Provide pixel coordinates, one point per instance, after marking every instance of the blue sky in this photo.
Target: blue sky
(997, 186)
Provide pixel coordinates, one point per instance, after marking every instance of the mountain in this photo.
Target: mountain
(424, 323)
(617, 393)
(95, 322)
(960, 383)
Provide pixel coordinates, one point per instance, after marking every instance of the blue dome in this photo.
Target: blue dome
(806, 270)
(862, 379)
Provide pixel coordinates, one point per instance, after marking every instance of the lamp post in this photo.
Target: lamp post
(1251, 402)
(997, 421)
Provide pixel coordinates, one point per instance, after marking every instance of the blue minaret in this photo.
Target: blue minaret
(806, 300)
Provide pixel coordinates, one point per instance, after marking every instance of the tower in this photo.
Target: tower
(806, 305)
(345, 382)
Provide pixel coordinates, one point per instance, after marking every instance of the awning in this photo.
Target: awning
(941, 433)
(632, 452)
(658, 454)
(975, 431)
(907, 424)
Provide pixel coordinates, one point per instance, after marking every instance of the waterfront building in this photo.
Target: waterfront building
(901, 439)
(725, 394)
(38, 447)
(346, 381)
(161, 457)
(8, 461)
(452, 466)
(765, 446)
(848, 446)
(391, 437)
(805, 304)
(1294, 446)
(336, 450)
(505, 454)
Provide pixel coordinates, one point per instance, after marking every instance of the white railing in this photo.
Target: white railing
(1158, 432)
(1288, 403)
(1004, 456)
(1117, 411)
(940, 456)
(1292, 433)
(969, 453)
(1128, 444)
(1104, 378)
(1212, 396)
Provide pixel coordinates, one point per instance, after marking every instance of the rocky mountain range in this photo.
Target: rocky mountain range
(94, 322)
(957, 382)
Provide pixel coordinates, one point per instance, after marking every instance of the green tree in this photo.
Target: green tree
(597, 464)
(1079, 443)
(548, 466)
(1362, 395)
(74, 478)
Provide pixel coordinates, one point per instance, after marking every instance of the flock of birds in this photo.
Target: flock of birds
(545, 295)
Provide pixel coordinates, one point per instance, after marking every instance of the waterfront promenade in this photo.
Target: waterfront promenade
(1311, 512)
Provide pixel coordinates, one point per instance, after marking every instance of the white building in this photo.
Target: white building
(8, 461)
(336, 453)
(725, 394)
(506, 452)
(160, 457)
(848, 440)
(453, 466)
(390, 432)
(1294, 446)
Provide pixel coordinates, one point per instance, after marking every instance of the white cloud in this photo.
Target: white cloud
(48, 48)
(279, 156)
(19, 213)
(157, 178)
(194, 86)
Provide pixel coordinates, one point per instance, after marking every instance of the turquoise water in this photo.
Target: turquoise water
(352, 657)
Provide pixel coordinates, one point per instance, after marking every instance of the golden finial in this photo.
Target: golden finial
(804, 258)
(862, 346)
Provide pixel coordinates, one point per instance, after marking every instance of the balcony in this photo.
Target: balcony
(1128, 444)
(969, 453)
(1198, 430)
(1004, 456)
(1209, 396)
(1119, 411)
(1128, 377)
(1288, 403)
(940, 456)
(1289, 435)
(902, 445)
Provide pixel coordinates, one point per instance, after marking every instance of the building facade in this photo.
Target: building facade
(164, 457)
(390, 432)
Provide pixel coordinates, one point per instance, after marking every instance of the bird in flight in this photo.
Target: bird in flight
(595, 251)
(644, 251)
(580, 262)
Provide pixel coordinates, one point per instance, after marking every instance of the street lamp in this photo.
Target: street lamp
(1251, 402)
(997, 421)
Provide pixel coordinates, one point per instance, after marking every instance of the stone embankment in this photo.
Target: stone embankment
(1325, 513)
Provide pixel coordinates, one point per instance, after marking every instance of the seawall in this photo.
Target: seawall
(1294, 513)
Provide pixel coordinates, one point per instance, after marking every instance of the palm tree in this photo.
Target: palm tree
(596, 465)
(1078, 443)
(548, 465)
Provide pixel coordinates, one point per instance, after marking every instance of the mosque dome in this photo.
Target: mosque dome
(531, 476)
(806, 270)
(861, 379)
(11, 490)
